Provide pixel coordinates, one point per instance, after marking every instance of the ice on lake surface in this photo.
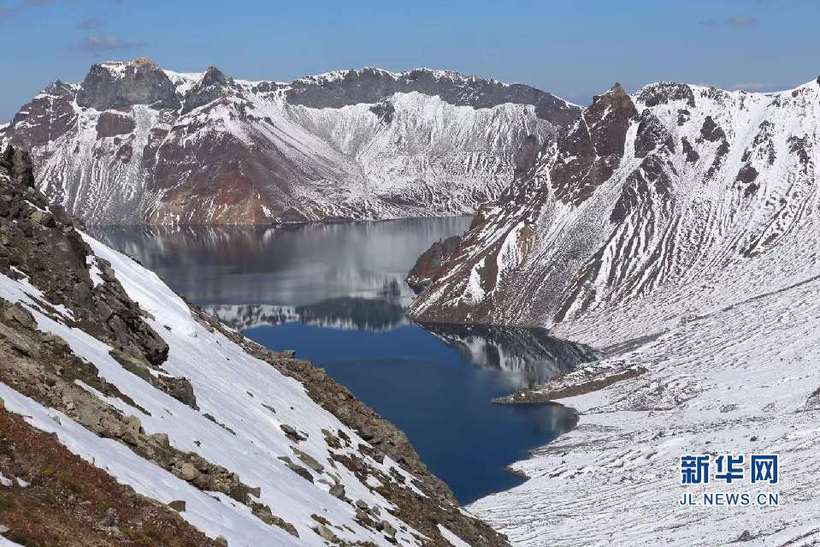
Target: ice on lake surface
(335, 293)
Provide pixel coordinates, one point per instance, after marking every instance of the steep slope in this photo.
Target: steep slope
(682, 195)
(133, 143)
(256, 447)
(676, 231)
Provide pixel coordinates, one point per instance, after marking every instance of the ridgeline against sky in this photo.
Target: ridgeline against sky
(571, 49)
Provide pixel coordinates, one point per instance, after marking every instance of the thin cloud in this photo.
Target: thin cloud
(89, 24)
(101, 44)
(741, 21)
(735, 21)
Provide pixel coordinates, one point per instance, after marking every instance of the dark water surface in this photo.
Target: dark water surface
(336, 294)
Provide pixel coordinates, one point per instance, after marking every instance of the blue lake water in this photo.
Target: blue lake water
(336, 295)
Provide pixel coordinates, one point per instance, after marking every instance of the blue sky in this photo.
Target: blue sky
(574, 49)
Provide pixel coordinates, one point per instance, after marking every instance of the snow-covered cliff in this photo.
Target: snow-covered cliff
(684, 196)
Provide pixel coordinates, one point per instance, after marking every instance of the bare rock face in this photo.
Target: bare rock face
(110, 124)
(214, 85)
(429, 264)
(589, 154)
(121, 85)
(46, 117)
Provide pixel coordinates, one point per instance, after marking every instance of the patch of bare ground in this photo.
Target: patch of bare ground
(569, 385)
(64, 500)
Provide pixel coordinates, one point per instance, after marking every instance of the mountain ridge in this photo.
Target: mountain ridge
(133, 143)
(657, 171)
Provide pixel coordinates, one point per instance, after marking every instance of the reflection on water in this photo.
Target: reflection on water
(336, 294)
(438, 399)
(526, 356)
(341, 313)
(290, 265)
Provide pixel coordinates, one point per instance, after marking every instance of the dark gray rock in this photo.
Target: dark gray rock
(663, 93)
(652, 135)
(691, 154)
(121, 85)
(214, 85)
(711, 131)
(110, 124)
(372, 85)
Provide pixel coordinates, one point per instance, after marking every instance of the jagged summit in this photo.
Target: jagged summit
(454, 75)
(118, 84)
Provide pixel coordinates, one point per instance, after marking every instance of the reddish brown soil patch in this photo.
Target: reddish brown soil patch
(69, 502)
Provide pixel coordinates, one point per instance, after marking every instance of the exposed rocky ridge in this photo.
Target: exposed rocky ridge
(64, 273)
(136, 144)
(142, 400)
(428, 266)
(644, 195)
(371, 85)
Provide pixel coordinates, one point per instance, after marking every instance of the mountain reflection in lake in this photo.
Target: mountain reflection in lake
(336, 294)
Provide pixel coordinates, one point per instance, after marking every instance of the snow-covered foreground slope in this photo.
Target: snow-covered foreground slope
(258, 456)
(133, 143)
(678, 231)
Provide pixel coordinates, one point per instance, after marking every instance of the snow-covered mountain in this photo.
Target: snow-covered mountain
(677, 231)
(133, 143)
(127, 416)
(680, 193)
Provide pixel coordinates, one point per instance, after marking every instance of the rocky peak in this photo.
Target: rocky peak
(590, 152)
(214, 76)
(119, 84)
(213, 85)
(608, 119)
(665, 92)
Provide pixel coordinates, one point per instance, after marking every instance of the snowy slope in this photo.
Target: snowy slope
(231, 386)
(675, 230)
(133, 143)
(257, 455)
